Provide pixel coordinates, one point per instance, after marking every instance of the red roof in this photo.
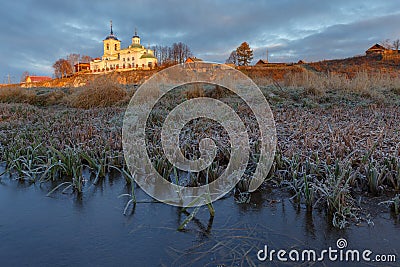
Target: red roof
(262, 61)
(82, 64)
(35, 79)
(193, 59)
(377, 47)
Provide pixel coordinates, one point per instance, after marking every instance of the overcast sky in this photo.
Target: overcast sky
(34, 34)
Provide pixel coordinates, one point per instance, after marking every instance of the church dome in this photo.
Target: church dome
(111, 36)
(146, 55)
(135, 46)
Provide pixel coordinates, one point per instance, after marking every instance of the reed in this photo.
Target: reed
(393, 203)
(326, 153)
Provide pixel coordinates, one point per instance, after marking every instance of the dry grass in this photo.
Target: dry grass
(32, 96)
(201, 90)
(54, 97)
(362, 83)
(194, 91)
(16, 95)
(99, 93)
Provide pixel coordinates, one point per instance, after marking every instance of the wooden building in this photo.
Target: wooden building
(262, 62)
(82, 67)
(36, 79)
(193, 59)
(376, 49)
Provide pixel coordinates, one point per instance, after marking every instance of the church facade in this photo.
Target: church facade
(135, 56)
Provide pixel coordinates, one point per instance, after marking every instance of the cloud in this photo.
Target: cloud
(36, 33)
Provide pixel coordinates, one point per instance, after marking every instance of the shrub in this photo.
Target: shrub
(16, 95)
(50, 98)
(194, 91)
(99, 93)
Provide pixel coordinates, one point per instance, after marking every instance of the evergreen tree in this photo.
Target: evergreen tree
(244, 54)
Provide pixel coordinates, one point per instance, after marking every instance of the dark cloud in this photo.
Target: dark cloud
(36, 33)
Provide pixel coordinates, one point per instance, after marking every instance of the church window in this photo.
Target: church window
(108, 47)
(116, 47)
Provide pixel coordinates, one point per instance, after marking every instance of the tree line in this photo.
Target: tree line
(169, 55)
(179, 52)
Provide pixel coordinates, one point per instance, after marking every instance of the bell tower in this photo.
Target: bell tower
(111, 45)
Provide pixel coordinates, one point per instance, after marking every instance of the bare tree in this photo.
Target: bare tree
(180, 52)
(162, 54)
(244, 54)
(85, 59)
(24, 75)
(62, 68)
(175, 54)
(396, 44)
(387, 44)
(73, 59)
(232, 59)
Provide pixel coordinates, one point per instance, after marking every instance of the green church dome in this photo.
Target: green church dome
(146, 55)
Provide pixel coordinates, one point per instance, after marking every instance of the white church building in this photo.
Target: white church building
(135, 56)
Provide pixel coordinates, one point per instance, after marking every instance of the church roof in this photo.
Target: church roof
(111, 36)
(135, 46)
(146, 55)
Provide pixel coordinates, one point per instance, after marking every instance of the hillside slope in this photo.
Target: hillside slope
(277, 71)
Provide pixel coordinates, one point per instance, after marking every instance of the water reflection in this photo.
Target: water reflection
(91, 228)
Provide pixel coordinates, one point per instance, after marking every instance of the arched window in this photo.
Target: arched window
(116, 47)
(108, 47)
